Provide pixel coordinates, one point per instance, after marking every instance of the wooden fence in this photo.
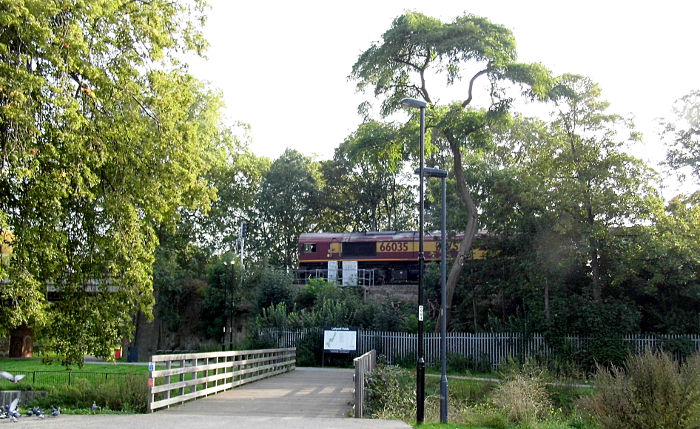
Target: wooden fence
(488, 347)
(364, 365)
(201, 374)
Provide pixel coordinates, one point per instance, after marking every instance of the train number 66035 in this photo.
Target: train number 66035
(393, 246)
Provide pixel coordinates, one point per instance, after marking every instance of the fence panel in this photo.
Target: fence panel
(496, 347)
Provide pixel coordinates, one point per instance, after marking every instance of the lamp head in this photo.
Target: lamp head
(412, 102)
(432, 172)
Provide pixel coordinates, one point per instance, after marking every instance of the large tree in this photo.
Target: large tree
(597, 187)
(418, 48)
(103, 138)
(287, 205)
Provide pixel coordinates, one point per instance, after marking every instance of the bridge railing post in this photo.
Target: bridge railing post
(364, 365)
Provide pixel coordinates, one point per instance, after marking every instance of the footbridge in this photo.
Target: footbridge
(255, 389)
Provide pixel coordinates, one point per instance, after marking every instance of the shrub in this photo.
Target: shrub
(389, 395)
(457, 362)
(128, 394)
(652, 391)
(523, 398)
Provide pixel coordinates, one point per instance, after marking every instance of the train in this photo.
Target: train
(391, 256)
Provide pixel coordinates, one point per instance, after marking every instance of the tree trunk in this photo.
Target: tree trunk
(546, 298)
(470, 228)
(596, 281)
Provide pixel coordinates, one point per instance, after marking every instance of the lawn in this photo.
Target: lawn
(39, 375)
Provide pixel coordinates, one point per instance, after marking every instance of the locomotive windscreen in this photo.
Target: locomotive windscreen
(359, 249)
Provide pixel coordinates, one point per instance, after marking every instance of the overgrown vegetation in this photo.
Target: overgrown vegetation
(113, 387)
(650, 391)
(127, 394)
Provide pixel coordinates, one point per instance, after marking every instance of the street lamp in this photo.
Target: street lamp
(442, 174)
(420, 364)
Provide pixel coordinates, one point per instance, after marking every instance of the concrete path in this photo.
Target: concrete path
(306, 398)
(304, 392)
(182, 421)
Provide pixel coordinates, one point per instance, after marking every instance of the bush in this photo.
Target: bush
(652, 391)
(388, 393)
(523, 398)
(128, 394)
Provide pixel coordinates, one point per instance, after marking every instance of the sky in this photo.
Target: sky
(282, 66)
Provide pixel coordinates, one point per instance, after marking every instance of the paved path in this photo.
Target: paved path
(304, 392)
(307, 398)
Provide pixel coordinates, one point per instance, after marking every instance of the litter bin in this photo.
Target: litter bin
(133, 355)
(117, 353)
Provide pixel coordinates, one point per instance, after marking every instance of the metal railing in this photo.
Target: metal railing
(53, 378)
(201, 374)
(365, 277)
(364, 365)
(493, 348)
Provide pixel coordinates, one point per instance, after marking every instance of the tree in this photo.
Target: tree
(237, 182)
(104, 137)
(287, 205)
(598, 186)
(416, 48)
(366, 184)
(683, 136)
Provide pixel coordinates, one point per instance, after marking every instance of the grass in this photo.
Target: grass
(41, 376)
(475, 403)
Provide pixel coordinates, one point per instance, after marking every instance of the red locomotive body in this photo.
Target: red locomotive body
(392, 255)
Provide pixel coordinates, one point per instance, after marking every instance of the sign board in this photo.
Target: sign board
(340, 340)
(332, 271)
(349, 273)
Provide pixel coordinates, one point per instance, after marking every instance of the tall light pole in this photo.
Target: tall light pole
(442, 174)
(420, 364)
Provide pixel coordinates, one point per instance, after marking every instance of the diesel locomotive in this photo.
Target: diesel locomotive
(393, 256)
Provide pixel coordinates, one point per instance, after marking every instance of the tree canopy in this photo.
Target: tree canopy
(683, 136)
(417, 48)
(104, 137)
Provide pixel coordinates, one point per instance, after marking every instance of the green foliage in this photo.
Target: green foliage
(310, 348)
(416, 42)
(523, 398)
(104, 138)
(682, 136)
(387, 388)
(271, 288)
(651, 391)
(461, 364)
(365, 187)
(128, 394)
(287, 205)
(417, 47)
(315, 292)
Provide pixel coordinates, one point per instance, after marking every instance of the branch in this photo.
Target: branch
(471, 85)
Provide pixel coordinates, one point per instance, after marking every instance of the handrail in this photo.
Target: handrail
(364, 365)
(202, 374)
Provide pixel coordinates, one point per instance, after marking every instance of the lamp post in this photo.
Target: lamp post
(228, 301)
(442, 174)
(420, 364)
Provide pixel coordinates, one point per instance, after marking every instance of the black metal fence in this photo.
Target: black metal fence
(54, 378)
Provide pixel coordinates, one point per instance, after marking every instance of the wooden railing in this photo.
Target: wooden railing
(364, 365)
(176, 378)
